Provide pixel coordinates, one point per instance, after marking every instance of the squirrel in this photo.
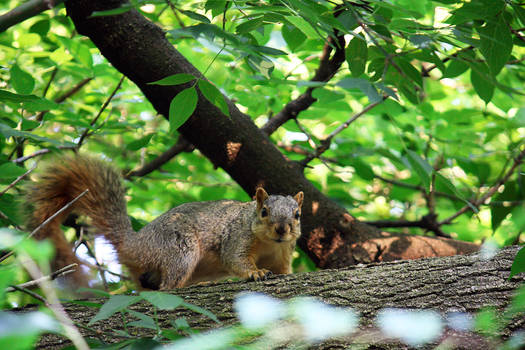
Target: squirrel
(193, 242)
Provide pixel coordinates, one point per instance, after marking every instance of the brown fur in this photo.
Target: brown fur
(190, 243)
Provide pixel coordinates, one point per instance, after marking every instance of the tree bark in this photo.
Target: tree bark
(331, 237)
(460, 284)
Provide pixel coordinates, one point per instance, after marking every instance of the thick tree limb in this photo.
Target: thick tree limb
(140, 50)
(450, 284)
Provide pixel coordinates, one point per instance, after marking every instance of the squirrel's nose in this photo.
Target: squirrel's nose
(280, 229)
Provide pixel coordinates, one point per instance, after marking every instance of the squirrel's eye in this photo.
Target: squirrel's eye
(297, 215)
(264, 212)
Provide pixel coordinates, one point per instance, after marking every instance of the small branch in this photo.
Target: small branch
(66, 95)
(38, 153)
(51, 78)
(326, 70)
(106, 103)
(25, 11)
(12, 184)
(47, 221)
(182, 145)
(517, 161)
(31, 284)
(64, 208)
(325, 144)
(416, 187)
(53, 303)
(97, 263)
(427, 222)
(5, 217)
(28, 292)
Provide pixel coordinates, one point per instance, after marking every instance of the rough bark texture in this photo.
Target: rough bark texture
(458, 283)
(331, 237)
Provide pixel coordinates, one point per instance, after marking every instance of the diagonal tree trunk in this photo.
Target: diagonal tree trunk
(458, 284)
(331, 237)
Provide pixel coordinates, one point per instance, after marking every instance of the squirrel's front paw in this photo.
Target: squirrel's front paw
(259, 274)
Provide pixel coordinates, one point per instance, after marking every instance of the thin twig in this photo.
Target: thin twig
(98, 266)
(427, 222)
(31, 284)
(325, 144)
(64, 208)
(106, 103)
(66, 95)
(182, 145)
(5, 217)
(53, 303)
(28, 292)
(38, 153)
(12, 184)
(51, 78)
(517, 161)
(327, 68)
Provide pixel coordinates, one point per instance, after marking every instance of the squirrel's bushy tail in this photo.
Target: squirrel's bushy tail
(61, 181)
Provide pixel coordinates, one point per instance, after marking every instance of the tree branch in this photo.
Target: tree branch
(427, 222)
(182, 145)
(104, 106)
(326, 70)
(325, 144)
(517, 161)
(25, 11)
(31, 284)
(66, 95)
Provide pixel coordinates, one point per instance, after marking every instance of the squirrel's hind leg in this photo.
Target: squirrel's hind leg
(178, 268)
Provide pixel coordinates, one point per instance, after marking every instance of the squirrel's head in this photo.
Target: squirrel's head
(278, 216)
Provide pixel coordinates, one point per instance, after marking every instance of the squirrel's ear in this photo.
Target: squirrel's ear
(260, 197)
(299, 198)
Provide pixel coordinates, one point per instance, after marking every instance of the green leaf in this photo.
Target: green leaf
(410, 71)
(518, 218)
(481, 81)
(22, 82)
(488, 323)
(9, 171)
(518, 265)
(362, 169)
(265, 50)
(201, 311)
(144, 321)
(362, 84)
(114, 304)
(162, 301)
(356, 55)
(212, 94)
(182, 107)
(496, 43)
(420, 167)
(303, 26)
(249, 25)
(140, 143)
(477, 9)
(293, 36)
(455, 68)
(175, 79)
(117, 11)
(196, 16)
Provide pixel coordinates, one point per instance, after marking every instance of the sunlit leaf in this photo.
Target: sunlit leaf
(182, 107)
(357, 55)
